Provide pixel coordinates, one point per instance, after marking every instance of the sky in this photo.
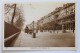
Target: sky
(36, 10)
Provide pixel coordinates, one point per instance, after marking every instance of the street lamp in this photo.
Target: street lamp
(34, 34)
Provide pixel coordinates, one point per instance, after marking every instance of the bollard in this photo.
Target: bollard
(34, 35)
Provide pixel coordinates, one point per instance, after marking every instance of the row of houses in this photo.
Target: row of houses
(62, 18)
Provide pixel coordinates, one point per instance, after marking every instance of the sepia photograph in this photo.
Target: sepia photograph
(39, 24)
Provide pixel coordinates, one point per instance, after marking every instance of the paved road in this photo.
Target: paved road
(45, 39)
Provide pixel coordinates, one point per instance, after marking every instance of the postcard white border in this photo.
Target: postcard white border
(42, 48)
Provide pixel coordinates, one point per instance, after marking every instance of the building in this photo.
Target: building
(66, 17)
(62, 18)
(30, 26)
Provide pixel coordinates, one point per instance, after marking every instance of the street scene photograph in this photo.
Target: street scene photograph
(39, 24)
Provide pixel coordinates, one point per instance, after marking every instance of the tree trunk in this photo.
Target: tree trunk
(13, 14)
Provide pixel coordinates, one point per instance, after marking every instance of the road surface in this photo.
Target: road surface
(45, 39)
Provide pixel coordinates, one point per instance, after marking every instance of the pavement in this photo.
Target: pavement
(45, 39)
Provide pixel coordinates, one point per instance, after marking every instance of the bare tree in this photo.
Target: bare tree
(16, 16)
(7, 8)
(20, 22)
(13, 14)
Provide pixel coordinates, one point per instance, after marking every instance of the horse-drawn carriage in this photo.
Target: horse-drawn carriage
(27, 30)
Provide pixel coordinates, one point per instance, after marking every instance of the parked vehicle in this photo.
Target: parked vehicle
(30, 31)
(27, 30)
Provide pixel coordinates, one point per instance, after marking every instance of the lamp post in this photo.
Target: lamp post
(34, 34)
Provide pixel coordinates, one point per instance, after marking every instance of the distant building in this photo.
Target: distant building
(30, 26)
